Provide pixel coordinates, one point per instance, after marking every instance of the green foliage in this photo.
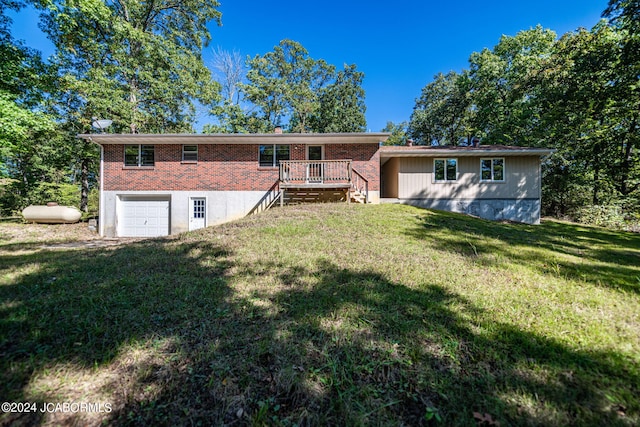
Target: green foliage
(398, 133)
(342, 107)
(63, 194)
(609, 216)
(288, 84)
(578, 94)
(232, 118)
(138, 63)
(506, 110)
(443, 114)
(31, 154)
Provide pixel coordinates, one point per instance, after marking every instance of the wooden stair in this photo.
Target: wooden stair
(357, 196)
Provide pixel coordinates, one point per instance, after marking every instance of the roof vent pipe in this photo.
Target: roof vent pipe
(277, 129)
(409, 142)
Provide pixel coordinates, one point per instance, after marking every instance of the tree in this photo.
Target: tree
(398, 133)
(443, 113)
(506, 108)
(30, 149)
(230, 71)
(136, 62)
(23, 73)
(591, 112)
(342, 107)
(625, 17)
(288, 85)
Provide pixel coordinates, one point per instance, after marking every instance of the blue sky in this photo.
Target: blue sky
(398, 44)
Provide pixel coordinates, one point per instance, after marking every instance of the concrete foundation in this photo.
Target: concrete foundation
(519, 210)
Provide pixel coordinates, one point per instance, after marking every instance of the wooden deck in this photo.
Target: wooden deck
(306, 181)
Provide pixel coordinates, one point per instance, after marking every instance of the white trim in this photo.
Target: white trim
(504, 168)
(206, 211)
(445, 180)
(101, 217)
(315, 145)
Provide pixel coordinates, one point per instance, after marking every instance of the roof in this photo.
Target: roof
(237, 138)
(462, 151)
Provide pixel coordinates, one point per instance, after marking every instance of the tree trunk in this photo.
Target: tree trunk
(627, 161)
(84, 184)
(596, 184)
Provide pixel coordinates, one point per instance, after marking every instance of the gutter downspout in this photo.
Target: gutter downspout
(101, 199)
(101, 216)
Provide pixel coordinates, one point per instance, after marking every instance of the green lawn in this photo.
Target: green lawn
(330, 315)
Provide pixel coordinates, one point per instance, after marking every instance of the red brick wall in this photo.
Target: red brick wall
(230, 167)
(366, 160)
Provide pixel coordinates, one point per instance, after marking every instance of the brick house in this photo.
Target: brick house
(154, 185)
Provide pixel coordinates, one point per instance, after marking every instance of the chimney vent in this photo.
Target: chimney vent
(409, 142)
(278, 129)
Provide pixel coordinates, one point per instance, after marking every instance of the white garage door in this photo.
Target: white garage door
(143, 218)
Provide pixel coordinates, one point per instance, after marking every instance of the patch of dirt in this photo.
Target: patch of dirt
(55, 236)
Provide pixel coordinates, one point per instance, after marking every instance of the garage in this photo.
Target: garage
(143, 217)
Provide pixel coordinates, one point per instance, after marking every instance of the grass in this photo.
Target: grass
(329, 314)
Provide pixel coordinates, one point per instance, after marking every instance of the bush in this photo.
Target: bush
(93, 205)
(63, 194)
(609, 216)
(9, 196)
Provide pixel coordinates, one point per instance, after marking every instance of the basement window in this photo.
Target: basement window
(139, 155)
(445, 170)
(271, 155)
(492, 169)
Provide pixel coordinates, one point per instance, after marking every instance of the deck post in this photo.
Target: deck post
(282, 197)
(366, 193)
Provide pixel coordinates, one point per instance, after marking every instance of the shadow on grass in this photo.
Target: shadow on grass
(323, 345)
(80, 308)
(606, 258)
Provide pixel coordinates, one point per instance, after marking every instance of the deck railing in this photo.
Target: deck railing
(361, 184)
(315, 171)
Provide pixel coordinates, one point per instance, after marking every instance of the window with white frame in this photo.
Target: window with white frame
(139, 155)
(445, 170)
(492, 169)
(270, 155)
(189, 153)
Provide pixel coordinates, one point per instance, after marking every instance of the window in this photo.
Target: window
(139, 155)
(198, 208)
(270, 155)
(445, 169)
(189, 153)
(492, 169)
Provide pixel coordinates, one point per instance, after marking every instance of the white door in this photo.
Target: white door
(143, 218)
(197, 213)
